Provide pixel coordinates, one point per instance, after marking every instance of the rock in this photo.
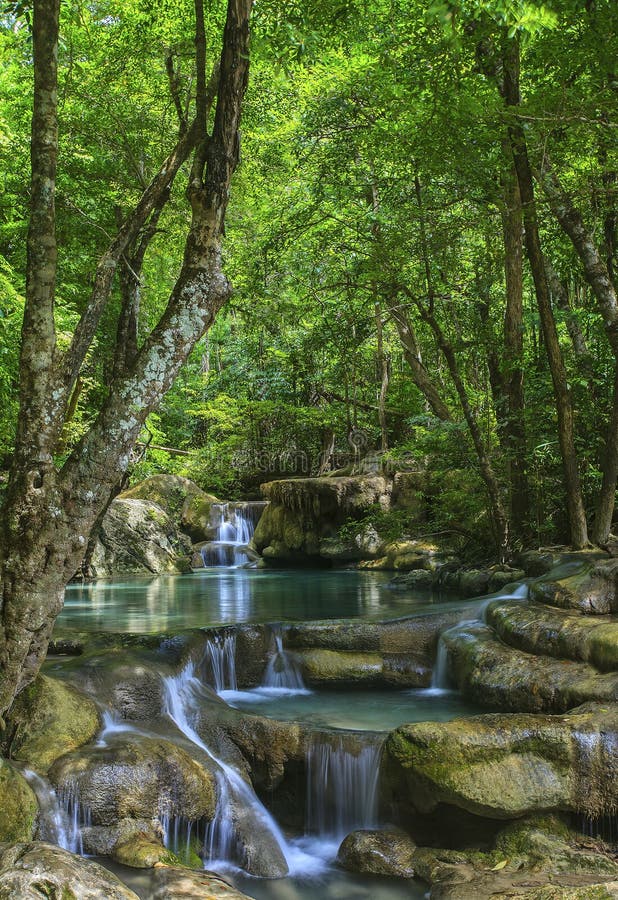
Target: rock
(506, 766)
(378, 853)
(182, 884)
(137, 778)
(304, 513)
(136, 537)
(549, 844)
(589, 587)
(30, 871)
(187, 505)
(18, 807)
(498, 676)
(340, 667)
(142, 851)
(101, 840)
(413, 580)
(48, 719)
(409, 494)
(547, 631)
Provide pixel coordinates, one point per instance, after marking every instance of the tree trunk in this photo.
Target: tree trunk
(49, 514)
(515, 428)
(384, 370)
(412, 356)
(600, 280)
(562, 394)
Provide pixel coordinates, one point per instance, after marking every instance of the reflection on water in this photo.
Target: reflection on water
(359, 710)
(223, 596)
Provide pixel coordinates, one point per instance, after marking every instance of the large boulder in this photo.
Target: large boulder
(48, 719)
(496, 675)
(507, 766)
(30, 871)
(187, 505)
(545, 630)
(137, 537)
(304, 515)
(172, 883)
(378, 853)
(136, 777)
(589, 586)
(18, 807)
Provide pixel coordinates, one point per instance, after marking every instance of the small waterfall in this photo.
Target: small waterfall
(282, 673)
(220, 662)
(236, 799)
(54, 825)
(235, 525)
(342, 785)
(77, 814)
(439, 676)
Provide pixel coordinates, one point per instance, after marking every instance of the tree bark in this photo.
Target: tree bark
(562, 394)
(384, 370)
(48, 516)
(515, 428)
(600, 280)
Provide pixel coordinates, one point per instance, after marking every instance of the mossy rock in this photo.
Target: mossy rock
(36, 869)
(587, 586)
(143, 852)
(373, 852)
(48, 719)
(18, 805)
(332, 666)
(495, 675)
(543, 630)
(506, 766)
(186, 504)
(134, 777)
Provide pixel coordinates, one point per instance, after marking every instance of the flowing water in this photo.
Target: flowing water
(235, 526)
(341, 768)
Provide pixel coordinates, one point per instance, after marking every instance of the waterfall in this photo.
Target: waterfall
(342, 785)
(440, 683)
(57, 824)
(282, 673)
(236, 799)
(439, 676)
(235, 525)
(220, 661)
(76, 814)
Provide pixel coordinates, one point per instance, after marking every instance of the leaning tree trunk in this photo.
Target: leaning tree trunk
(49, 513)
(562, 393)
(600, 279)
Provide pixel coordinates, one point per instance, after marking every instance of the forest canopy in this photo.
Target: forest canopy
(386, 291)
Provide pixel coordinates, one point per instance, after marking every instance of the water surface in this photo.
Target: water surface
(220, 596)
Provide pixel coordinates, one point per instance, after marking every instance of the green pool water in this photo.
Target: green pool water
(226, 596)
(359, 710)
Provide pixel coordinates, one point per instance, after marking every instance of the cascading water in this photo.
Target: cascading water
(77, 814)
(342, 785)
(440, 683)
(236, 799)
(55, 824)
(235, 525)
(220, 662)
(282, 673)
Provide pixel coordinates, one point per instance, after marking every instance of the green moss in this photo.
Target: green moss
(18, 805)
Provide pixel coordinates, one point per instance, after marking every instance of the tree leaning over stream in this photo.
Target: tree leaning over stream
(49, 510)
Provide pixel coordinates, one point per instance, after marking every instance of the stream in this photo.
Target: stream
(341, 788)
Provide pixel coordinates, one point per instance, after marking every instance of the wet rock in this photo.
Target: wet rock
(506, 766)
(305, 513)
(182, 500)
(502, 677)
(101, 840)
(18, 806)
(589, 587)
(547, 631)
(413, 580)
(378, 853)
(48, 719)
(268, 745)
(137, 537)
(136, 777)
(34, 870)
(340, 667)
(182, 884)
(142, 851)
